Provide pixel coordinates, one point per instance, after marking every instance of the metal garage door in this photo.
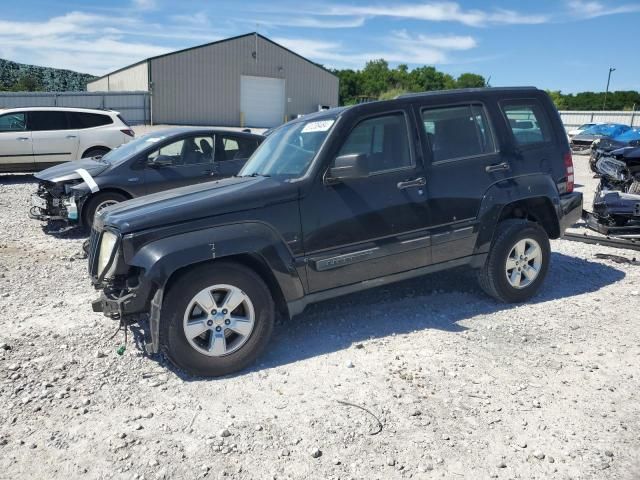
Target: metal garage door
(262, 101)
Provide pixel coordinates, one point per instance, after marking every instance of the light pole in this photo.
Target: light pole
(604, 104)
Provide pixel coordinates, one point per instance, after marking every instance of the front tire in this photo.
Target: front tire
(517, 263)
(97, 203)
(216, 319)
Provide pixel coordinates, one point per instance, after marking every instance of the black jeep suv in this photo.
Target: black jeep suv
(337, 202)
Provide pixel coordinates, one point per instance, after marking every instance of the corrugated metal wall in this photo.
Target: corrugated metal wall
(100, 85)
(134, 106)
(131, 79)
(201, 86)
(576, 118)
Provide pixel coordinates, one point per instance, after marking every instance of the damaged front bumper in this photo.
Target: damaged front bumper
(128, 306)
(615, 214)
(48, 205)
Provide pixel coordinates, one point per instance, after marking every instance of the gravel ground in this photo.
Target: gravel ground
(460, 386)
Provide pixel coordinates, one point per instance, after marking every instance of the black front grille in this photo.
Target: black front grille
(94, 245)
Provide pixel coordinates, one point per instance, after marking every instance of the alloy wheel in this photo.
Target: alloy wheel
(523, 263)
(219, 320)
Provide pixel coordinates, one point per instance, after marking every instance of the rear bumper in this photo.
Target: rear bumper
(570, 210)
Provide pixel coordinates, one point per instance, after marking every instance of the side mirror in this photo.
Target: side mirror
(160, 161)
(353, 165)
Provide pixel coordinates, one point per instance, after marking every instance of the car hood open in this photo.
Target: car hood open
(195, 202)
(69, 170)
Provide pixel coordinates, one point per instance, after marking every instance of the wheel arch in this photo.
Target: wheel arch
(532, 197)
(91, 196)
(251, 261)
(103, 148)
(252, 244)
(536, 209)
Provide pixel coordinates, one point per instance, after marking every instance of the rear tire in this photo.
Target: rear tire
(517, 263)
(242, 341)
(97, 203)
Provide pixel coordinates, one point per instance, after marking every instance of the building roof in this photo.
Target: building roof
(208, 45)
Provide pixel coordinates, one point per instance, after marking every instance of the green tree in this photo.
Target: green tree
(470, 80)
(424, 79)
(28, 83)
(391, 94)
(558, 99)
(350, 86)
(375, 77)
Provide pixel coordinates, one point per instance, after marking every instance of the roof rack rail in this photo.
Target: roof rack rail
(451, 90)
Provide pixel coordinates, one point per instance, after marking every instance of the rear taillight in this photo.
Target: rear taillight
(128, 131)
(568, 166)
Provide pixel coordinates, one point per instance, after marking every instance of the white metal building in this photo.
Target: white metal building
(247, 80)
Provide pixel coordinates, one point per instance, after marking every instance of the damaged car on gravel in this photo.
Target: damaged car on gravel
(603, 146)
(585, 139)
(74, 191)
(616, 204)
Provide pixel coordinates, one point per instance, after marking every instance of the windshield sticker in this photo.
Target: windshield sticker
(320, 126)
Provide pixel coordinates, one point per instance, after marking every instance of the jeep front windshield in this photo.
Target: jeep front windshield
(289, 150)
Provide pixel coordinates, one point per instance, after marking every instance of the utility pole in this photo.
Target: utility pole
(604, 104)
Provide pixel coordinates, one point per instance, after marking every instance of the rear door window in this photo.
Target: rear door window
(234, 148)
(528, 122)
(458, 132)
(47, 121)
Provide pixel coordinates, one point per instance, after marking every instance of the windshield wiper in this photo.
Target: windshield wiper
(255, 174)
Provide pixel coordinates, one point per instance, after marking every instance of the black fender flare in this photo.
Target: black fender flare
(508, 191)
(162, 258)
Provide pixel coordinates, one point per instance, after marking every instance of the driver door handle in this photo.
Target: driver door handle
(71, 136)
(497, 167)
(416, 182)
(23, 139)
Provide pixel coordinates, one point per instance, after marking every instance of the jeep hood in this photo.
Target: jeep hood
(69, 170)
(196, 202)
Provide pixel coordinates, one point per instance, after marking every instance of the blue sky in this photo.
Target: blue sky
(565, 45)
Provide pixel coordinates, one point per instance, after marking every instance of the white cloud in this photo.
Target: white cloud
(401, 47)
(593, 9)
(76, 41)
(312, 22)
(199, 18)
(145, 4)
(435, 12)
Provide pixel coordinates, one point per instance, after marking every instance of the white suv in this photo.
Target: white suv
(35, 138)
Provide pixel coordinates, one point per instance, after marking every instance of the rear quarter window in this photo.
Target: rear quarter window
(528, 122)
(82, 120)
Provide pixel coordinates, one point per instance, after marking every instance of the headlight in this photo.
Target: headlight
(107, 245)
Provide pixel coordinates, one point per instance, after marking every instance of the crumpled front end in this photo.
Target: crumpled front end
(614, 204)
(615, 214)
(55, 201)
